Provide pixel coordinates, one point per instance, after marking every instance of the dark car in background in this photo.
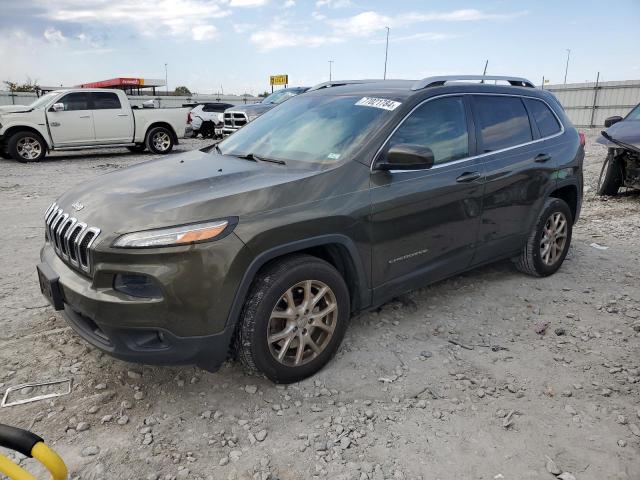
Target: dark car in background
(238, 116)
(331, 203)
(621, 167)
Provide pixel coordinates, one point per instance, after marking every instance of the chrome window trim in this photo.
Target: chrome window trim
(474, 157)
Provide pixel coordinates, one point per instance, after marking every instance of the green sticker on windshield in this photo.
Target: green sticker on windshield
(383, 103)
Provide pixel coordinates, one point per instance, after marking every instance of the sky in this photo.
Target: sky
(234, 45)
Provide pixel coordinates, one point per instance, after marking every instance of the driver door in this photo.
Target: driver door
(424, 223)
(74, 124)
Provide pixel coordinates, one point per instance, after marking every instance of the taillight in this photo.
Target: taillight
(583, 139)
(189, 118)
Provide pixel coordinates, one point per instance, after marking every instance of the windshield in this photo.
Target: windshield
(43, 100)
(317, 129)
(280, 96)
(634, 114)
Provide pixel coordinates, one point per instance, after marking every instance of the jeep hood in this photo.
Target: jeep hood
(252, 109)
(627, 131)
(191, 187)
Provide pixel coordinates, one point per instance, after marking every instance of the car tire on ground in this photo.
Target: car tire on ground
(159, 140)
(610, 179)
(27, 147)
(4, 154)
(549, 241)
(137, 148)
(294, 318)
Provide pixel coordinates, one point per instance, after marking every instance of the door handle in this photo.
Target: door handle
(54, 124)
(468, 177)
(123, 115)
(85, 116)
(541, 158)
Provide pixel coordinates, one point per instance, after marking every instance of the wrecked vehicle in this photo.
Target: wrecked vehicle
(621, 168)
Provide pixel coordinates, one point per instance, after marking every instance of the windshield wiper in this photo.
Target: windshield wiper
(255, 158)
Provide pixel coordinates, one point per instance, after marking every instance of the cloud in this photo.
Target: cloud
(243, 27)
(429, 36)
(333, 3)
(54, 36)
(289, 3)
(247, 3)
(365, 23)
(179, 18)
(278, 37)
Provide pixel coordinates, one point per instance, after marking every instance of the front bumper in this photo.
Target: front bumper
(187, 325)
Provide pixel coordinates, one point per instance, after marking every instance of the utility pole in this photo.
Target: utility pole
(386, 54)
(566, 69)
(330, 63)
(484, 72)
(166, 83)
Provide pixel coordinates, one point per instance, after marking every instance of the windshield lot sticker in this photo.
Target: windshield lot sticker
(382, 103)
(333, 156)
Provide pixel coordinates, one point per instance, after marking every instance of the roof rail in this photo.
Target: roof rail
(438, 81)
(340, 83)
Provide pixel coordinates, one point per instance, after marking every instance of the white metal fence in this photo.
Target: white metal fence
(588, 104)
(25, 98)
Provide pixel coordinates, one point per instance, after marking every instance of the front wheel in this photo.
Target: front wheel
(549, 241)
(27, 147)
(159, 140)
(294, 319)
(610, 179)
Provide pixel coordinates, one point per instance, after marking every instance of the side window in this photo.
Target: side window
(75, 101)
(543, 116)
(440, 125)
(503, 122)
(209, 108)
(106, 101)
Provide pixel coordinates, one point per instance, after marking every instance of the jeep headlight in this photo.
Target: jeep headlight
(174, 236)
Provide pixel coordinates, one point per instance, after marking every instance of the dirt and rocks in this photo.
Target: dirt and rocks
(449, 382)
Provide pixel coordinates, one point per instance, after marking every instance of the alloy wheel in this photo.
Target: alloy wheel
(29, 148)
(302, 323)
(161, 141)
(554, 238)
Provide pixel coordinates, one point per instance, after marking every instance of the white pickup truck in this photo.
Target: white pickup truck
(87, 118)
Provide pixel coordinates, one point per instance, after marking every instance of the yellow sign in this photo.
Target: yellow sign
(279, 79)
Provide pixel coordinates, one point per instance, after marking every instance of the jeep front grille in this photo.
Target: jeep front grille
(70, 238)
(235, 120)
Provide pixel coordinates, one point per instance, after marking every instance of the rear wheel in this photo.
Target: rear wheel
(159, 140)
(294, 319)
(549, 241)
(27, 147)
(610, 179)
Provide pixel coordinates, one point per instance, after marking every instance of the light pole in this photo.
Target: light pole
(166, 83)
(566, 69)
(386, 54)
(330, 63)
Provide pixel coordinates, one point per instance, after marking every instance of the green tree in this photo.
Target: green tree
(28, 86)
(182, 91)
(263, 94)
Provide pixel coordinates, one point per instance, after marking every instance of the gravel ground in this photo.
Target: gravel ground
(400, 401)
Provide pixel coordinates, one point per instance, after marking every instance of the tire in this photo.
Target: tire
(159, 140)
(27, 147)
(4, 154)
(535, 258)
(610, 179)
(137, 148)
(268, 295)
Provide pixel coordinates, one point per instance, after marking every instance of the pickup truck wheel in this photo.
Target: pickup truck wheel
(137, 148)
(159, 140)
(610, 179)
(549, 241)
(27, 147)
(4, 154)
(294, 319)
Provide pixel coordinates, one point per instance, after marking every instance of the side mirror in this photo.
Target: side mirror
(57, 107)
(406, 156)
(612, 120)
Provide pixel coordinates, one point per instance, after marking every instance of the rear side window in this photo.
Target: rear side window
(503, 122)
(105, 101)
(213, 108)
(544, 117)
(75, 101)
(440, 125)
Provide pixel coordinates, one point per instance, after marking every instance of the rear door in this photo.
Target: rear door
(519, 173)
(424, 223)
(73, 125)
(113, 121)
